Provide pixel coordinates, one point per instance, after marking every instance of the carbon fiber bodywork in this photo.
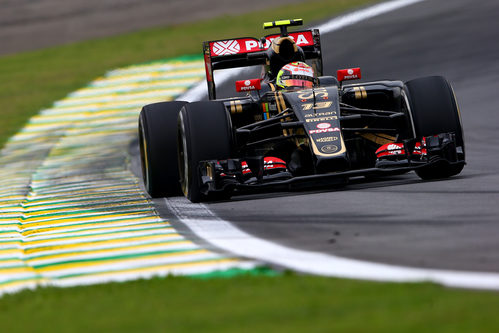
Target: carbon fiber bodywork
(326, 135)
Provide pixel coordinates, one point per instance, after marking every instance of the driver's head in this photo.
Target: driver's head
(295, 75)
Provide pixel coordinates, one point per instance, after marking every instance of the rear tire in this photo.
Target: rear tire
(158, 148)
(204, 133)
(434, 110)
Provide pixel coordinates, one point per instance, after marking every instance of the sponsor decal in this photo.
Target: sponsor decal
(319, 114)
(226, 47)
(327, 139)
(395, 148)
(298, 68)
(246, 45)
(248, 85)
(301, 38)
(348, 74)
(317, 106)
(323, 125)
(251, 45)
(309, 93)
(324, 130)
(329, 149)
(312, 120)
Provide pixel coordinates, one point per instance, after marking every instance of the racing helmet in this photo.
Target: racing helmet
(295, 75)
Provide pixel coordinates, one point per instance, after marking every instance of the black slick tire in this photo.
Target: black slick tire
(158, 148)
(434, 110)
(204, 133)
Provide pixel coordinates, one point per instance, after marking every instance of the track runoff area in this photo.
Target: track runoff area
(73, 213)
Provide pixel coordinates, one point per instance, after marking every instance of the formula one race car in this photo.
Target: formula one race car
(296, 128)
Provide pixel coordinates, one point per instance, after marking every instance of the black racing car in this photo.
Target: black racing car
(279, 139)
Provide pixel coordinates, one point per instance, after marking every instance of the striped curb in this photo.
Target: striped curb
(71, 211)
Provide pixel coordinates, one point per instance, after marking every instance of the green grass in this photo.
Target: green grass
(34, 80)
(288, 303)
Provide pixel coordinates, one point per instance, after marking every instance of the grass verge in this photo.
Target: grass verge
(290, 303)
(34, 80)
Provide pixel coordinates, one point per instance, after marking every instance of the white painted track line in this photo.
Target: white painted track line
(224, 235)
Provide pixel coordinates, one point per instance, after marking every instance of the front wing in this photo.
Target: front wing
(226, 176)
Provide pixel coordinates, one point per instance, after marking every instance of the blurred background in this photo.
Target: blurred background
(27, 25)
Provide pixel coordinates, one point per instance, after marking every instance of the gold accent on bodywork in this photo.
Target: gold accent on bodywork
(379, 138)
(318, 152)
(236, 107)
(280, 107)
(360, 92)
(364, 92)
(281, 102)
(210, 172)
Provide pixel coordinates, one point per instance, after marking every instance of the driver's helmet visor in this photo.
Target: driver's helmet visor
(301, 81)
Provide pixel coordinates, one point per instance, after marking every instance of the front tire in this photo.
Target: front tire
(434, 110)
(158, 148)
(204, 133)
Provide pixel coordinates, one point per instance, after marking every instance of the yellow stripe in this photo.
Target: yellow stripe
(82, 202)
(57, 267)
(10, 262)
(9, 252)
(94, 121)
(87, 244)
(81, 222)
(110, 251)
(364, 92)
(160, 268)
(239, 107)
(151, 76)
(90, 207)
(98, 237)
(15, 284)
(17, 270)
(358, 94)
(95, 226)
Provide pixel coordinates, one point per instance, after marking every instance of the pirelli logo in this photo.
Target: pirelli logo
(312, 120)
(360, 92)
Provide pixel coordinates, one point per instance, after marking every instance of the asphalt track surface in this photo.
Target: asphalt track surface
(447, 224)
(28, 25)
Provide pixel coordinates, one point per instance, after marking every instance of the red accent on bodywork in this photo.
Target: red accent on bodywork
(304, 38)
(248, 85)
(395, 148)
(234, 46)
(348, 74)
(207, 67)
(249, 44)
(269, 163)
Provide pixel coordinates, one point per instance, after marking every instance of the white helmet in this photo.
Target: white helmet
(296, 75)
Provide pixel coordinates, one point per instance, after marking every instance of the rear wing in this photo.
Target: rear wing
(249, 51)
